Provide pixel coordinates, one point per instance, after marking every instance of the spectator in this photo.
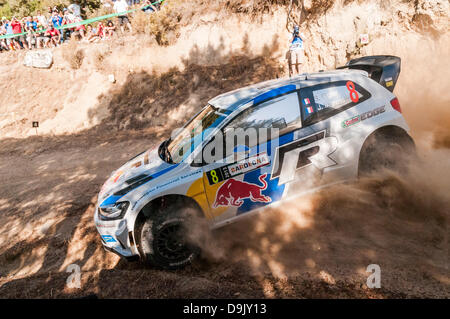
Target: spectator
(121, 6)
(42, 40)
(41, 31)
(3, 42)
(110, 29)
(91, 34)
(106, 3)
(68, 15)
(9, 30)
(30, 28)
(295, 51)
(41, 19)
(68, 18)
(80, 31)
(30, 23)
(56, 19)
(101, 30)
(148, 7)
(19, 40)
(54, 35)
(75, 9)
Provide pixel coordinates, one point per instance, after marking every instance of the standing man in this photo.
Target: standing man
(30, 27)
(41, 18)
(75, 9)
(17, 29)
(57, 21)
(9, 30)
(119, 7)
(295, 53)
(68, 18)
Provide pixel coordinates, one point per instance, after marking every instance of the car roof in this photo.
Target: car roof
(272, 88)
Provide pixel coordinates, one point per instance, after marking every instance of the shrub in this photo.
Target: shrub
(163, 25)
(73, 55)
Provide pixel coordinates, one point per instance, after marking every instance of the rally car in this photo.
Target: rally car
(251, 148)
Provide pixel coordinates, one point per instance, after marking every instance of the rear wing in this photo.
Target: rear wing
(383, 69)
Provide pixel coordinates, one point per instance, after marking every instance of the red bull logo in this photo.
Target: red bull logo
(233, 192)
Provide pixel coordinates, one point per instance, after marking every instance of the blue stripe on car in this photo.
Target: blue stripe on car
(274, 93)
(110, 200)
(114, 199)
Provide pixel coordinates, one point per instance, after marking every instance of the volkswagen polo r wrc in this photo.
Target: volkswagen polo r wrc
(291, 137)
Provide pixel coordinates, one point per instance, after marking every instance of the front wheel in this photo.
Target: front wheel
(163, 240)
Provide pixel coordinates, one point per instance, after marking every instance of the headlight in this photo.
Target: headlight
(114, 211)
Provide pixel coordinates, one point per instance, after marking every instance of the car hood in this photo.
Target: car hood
(147, 165)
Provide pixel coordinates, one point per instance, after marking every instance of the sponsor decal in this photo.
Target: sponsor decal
(181, 178)
(222, 173)
(233, 192)
(363, 116)
(364, 38)
(388, 81)
(351, 121)
(117, 176)
(137, 164)
(105, 226)
(109, 239)
(311, 150)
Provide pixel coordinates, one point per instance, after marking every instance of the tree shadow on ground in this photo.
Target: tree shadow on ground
(152, 99)
(58, 174)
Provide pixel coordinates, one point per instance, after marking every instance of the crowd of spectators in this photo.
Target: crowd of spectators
(47, 30)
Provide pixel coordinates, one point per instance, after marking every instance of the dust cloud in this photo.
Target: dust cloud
(399, 221)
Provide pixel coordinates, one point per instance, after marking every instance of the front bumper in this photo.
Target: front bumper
(116, 237)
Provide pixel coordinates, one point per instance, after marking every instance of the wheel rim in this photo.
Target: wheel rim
(170, 244)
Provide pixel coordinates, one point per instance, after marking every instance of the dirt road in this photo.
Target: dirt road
(316, 247)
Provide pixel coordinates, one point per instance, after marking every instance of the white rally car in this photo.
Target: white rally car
(295, 135)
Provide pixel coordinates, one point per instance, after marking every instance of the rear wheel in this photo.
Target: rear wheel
(163, 238)
(383, 151)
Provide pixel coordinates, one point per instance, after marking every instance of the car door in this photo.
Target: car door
(322, 160)
(240, 180)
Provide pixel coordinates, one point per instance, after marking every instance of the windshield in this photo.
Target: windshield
(194, 132)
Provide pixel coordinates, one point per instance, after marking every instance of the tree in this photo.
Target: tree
(23, 8)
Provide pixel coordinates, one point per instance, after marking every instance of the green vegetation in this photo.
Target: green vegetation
(21, 8)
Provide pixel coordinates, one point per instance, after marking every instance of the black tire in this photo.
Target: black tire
(386, 152)
(163, 242)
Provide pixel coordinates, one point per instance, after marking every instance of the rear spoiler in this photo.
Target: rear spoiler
(383, 69)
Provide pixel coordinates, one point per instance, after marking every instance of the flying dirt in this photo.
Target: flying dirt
(315, 246)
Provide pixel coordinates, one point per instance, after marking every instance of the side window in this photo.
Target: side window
(281, 113)
(246, 129)
(324, 100)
